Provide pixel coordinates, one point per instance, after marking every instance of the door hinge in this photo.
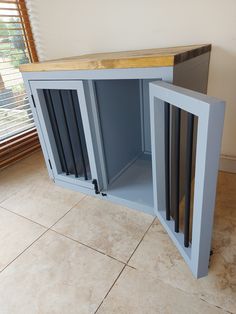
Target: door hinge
(33, 101)
(49, 161)
(95, 183)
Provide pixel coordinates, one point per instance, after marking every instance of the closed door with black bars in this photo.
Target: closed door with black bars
(63, 119)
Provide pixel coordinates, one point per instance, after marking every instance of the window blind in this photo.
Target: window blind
(16, 47)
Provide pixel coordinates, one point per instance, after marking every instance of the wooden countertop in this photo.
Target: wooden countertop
(157, 57)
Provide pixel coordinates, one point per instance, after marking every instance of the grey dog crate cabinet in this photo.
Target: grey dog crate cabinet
(135, 128)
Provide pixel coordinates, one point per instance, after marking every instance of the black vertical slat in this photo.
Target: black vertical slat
(177, 117)
(167, 158)
(79, 138)
(68, 135)
(55, 129)
(189, 153)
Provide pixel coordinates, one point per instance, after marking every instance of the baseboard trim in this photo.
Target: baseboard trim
(228, 163)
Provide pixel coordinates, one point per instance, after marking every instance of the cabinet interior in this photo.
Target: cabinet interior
(123, 108)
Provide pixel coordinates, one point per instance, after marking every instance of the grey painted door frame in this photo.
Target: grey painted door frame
(210, 113)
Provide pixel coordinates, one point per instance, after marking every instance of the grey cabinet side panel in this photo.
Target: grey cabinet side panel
(191, 74)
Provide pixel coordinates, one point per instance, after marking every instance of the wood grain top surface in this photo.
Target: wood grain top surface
(157, 57)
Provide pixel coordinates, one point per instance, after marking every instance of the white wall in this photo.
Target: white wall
(70, 27)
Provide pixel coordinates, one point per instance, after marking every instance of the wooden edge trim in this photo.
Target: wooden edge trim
(19, 156)
(27, 30)
(17, 146)
(18, 136)
(19, 141)
(14, 149)
(184, 56)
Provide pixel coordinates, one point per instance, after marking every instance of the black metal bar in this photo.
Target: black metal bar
(79, 138)
(68, 135)
(52, 116)
(189, 153)
(167, 158)
(177, 117)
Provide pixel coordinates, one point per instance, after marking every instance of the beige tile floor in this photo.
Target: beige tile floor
(64, 252)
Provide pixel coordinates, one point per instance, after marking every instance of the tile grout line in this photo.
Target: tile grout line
(47, 229)
(33, 221)
(141, 239)
(92, 248)
(21, 216)
(67, 212)
(217, 306)
(24, 250)
(124, 266)
(190, 294)
(9, 196)
(172, 286)
(110, 289)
